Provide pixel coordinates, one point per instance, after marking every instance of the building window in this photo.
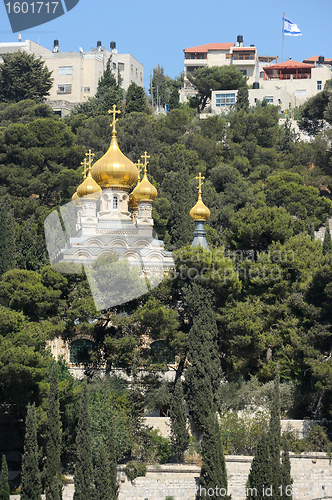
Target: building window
(141, 76)
(244, 72)
(244, 56)
(121, 66)
(64, 89)
(86, 90)
(228, 56)
(319, 84)
(225, 100)
(65, 70)
(269, 99)
(115, 203)
(132, 68)
(114, 65)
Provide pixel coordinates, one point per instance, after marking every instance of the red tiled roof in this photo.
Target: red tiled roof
(210, 46)
(315, 59)
(289, 65)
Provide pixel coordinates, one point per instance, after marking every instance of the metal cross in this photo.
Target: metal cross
(114, 112)
(85, 165)
(90, 155)
(200, 182)
(145, 158)
(139, 166)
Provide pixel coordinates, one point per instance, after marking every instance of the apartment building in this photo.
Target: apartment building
(287, 84)
(76, 74)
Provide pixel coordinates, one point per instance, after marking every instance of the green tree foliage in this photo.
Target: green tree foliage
(205, 80)
(204, 373)
(275, 436)
(23, 76)
(260, 475)
(102, 483)
(179, 431)
(213, 476)
(136, 100)
(31, 482)
(52, 471)
(8, 238)
(242, 100)
(315, 110)
(159, 88)
(83, 479)
(327, 242)
(286, 478)
(4, 486)
(113, 473)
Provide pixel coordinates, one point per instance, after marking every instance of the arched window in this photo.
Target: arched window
(115, 203)
(79, 351)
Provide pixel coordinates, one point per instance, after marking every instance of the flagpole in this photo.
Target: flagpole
(283, 37)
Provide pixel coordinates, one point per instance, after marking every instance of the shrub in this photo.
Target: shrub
(135, 469)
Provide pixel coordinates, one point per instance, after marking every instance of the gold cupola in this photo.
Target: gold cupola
(200, 212)
(114, 169)
(76, 200)
(145, 191)
(89, 188)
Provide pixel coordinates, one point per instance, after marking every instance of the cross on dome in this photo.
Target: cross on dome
(145, 158)
(200, 182)
(86, 167)
(114, 112)
(90, 155)
(139, 166)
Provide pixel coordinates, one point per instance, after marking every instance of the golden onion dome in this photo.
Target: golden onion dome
(89, 188)
(114, 169)
(132, 202)
(200, 212)
(145, 191)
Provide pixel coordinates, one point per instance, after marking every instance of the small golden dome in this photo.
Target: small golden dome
(114, 169)
(89, 188)
(75, 199)
(132, 202)
(200, 212)
(145, 191)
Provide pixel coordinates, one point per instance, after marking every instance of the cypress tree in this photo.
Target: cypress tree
(114, 485)
(8, 235)
(260, 475)
(31, 482)
(179, 431)
(327, 242)
(213, 476)
(102, 480)
(286, 478)
(83, 479)
(204, 373)
(4, 486)
(53, 483)
(275, 436)
(242, 101)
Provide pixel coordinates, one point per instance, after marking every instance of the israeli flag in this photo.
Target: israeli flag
(290, 28)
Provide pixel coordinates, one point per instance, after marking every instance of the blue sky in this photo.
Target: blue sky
(156, 32)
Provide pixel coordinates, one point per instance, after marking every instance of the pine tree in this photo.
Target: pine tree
(31, 482)
(213, 476)
(114, 485)
(83, 478)
(4, 486)
(286, 479)
(260, 475)
(179, 431)
(53, 483)
(204, 373)
(327, 242)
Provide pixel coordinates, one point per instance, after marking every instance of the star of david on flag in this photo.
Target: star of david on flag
(290, 28)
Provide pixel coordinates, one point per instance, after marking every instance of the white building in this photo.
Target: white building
(76, 74)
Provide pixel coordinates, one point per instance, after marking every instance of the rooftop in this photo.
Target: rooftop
(210, 46)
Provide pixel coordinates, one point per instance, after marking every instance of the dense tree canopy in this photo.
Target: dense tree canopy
(23, 76)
